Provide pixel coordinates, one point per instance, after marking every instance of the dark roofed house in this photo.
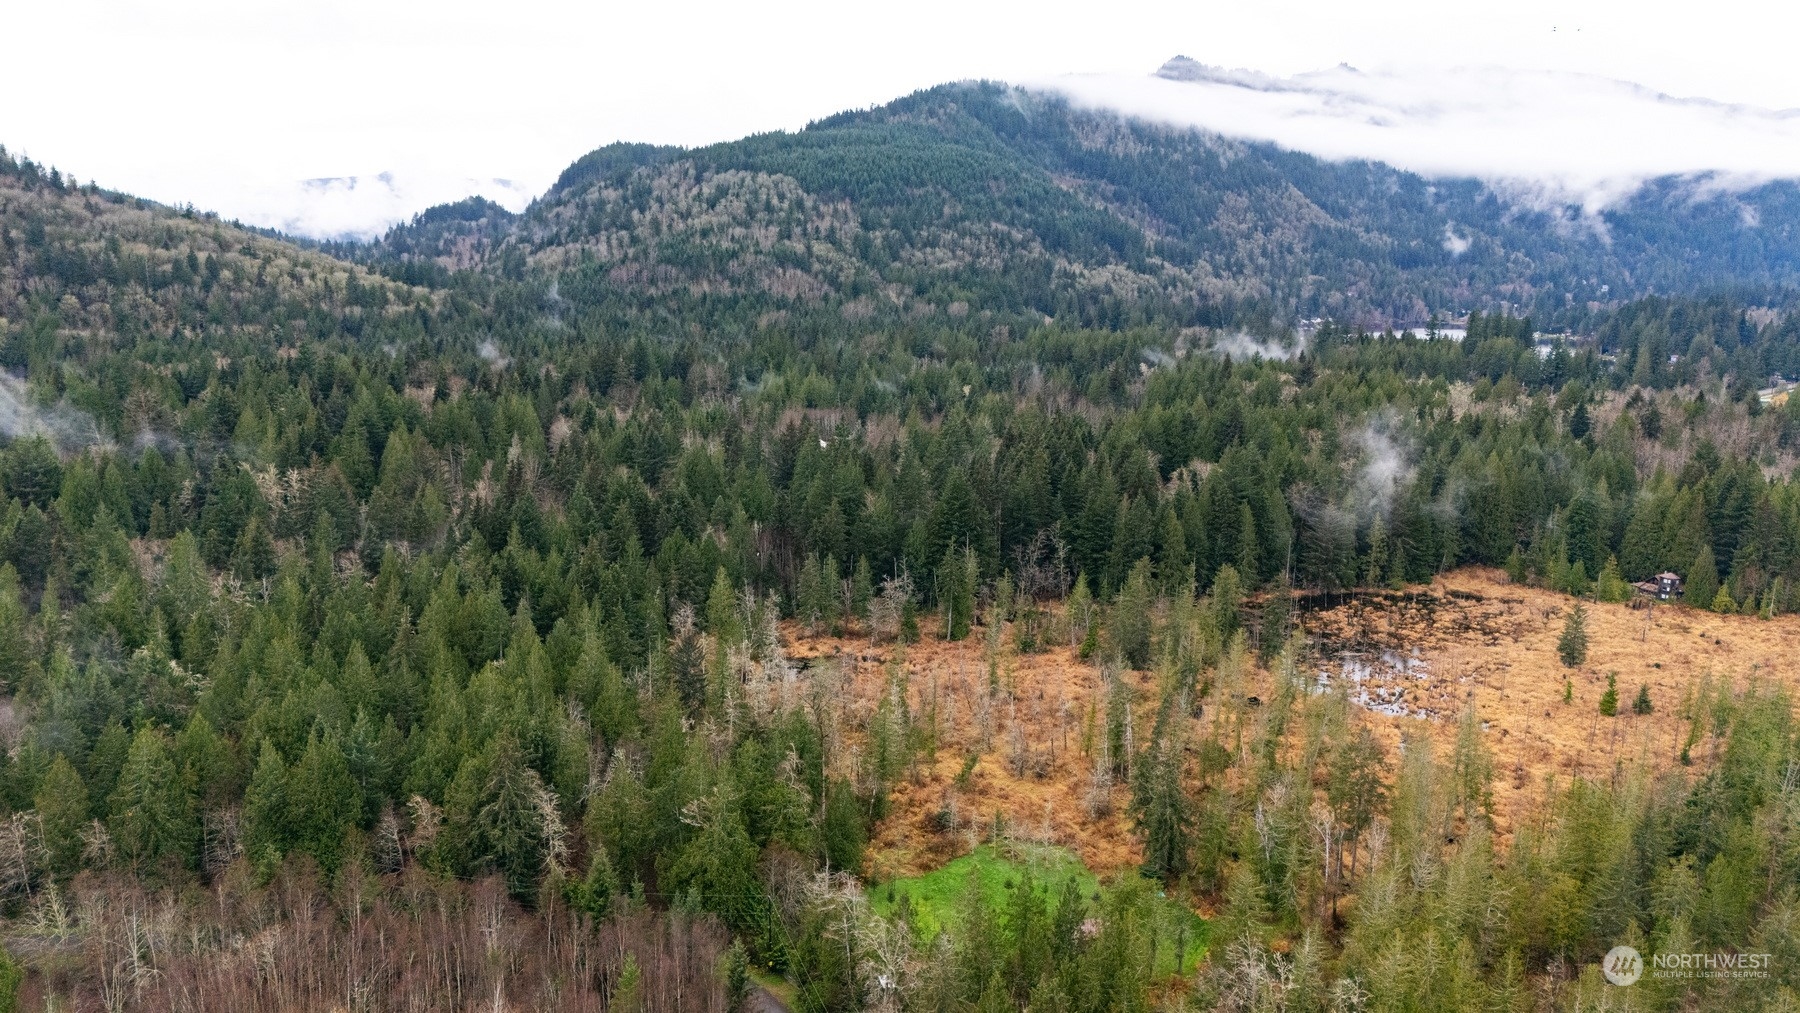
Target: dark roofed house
(1668, 585)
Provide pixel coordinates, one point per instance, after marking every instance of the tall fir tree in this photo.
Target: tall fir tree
(1572, 646)
(152, 823)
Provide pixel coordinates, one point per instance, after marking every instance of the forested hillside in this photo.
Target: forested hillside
(443, 598)
(998, 199)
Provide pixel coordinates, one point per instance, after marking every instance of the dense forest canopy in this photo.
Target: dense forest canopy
(466, 557)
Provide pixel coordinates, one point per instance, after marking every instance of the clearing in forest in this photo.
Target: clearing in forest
(1415, 658)
(1009, 758)
(932, 900)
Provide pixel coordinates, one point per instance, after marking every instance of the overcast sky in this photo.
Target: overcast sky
(227, 104)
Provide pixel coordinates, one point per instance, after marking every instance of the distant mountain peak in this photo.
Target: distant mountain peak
(1183, 68)
(1188, 70)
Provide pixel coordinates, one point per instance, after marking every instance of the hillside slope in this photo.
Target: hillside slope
(990, 197)
(87, 274)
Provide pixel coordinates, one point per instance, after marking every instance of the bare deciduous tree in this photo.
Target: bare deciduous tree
(222, 831)
(889, 607)
(389, 844)
(421, 944)
(427, 820)
(21, 853)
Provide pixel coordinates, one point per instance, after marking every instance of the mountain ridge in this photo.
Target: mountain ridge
(1010, 199)
(993, 198)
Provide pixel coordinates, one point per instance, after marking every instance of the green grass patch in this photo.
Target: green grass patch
(934, 898)
(777, 986)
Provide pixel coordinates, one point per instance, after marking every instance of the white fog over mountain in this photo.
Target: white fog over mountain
(355, 207)
(1538, 136)
(1541, 138)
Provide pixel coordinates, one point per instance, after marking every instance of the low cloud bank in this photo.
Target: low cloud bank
(361, 207)
(1386, 468)
(67, 427)
(492, 355)
(1540, 137)
(1241, 346)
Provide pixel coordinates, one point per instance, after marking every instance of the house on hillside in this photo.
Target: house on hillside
(1775, 395)
(1664, 586)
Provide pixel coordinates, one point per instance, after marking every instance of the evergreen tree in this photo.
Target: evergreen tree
(18, 662)
(62, 806)
(253, 556)
(1642, 704)
(841, 830)
(151, 821)
(266, 834)
(862, 590)
(1272, 632)
(1572, 646)
(323, 801)
(1612, 586)
(1640, 552)
(810, 592)
(30, 471)
(617, 816)
(1354, 786)
(508, 817)
(1174, 565)
(718, 865)
(737, 977)
(721, 610)
(1609, 700)
(1702, 584)
(1249, 543)
(1128, 623)
(628, 989)
(209, 765)
(831, 597)
(1161, 810)
(599, 683)
(1227, 601)
(1376, 564)
(1722, 602)
(1576, 581)
(687, 662)
(593, 894)
(956, 592)
(11, 977)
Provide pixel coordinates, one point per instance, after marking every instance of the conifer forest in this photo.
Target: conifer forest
(483, 618)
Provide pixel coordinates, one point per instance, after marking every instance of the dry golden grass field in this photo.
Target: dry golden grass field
(1419, 656)
(1052, 692)
(1483, 638)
